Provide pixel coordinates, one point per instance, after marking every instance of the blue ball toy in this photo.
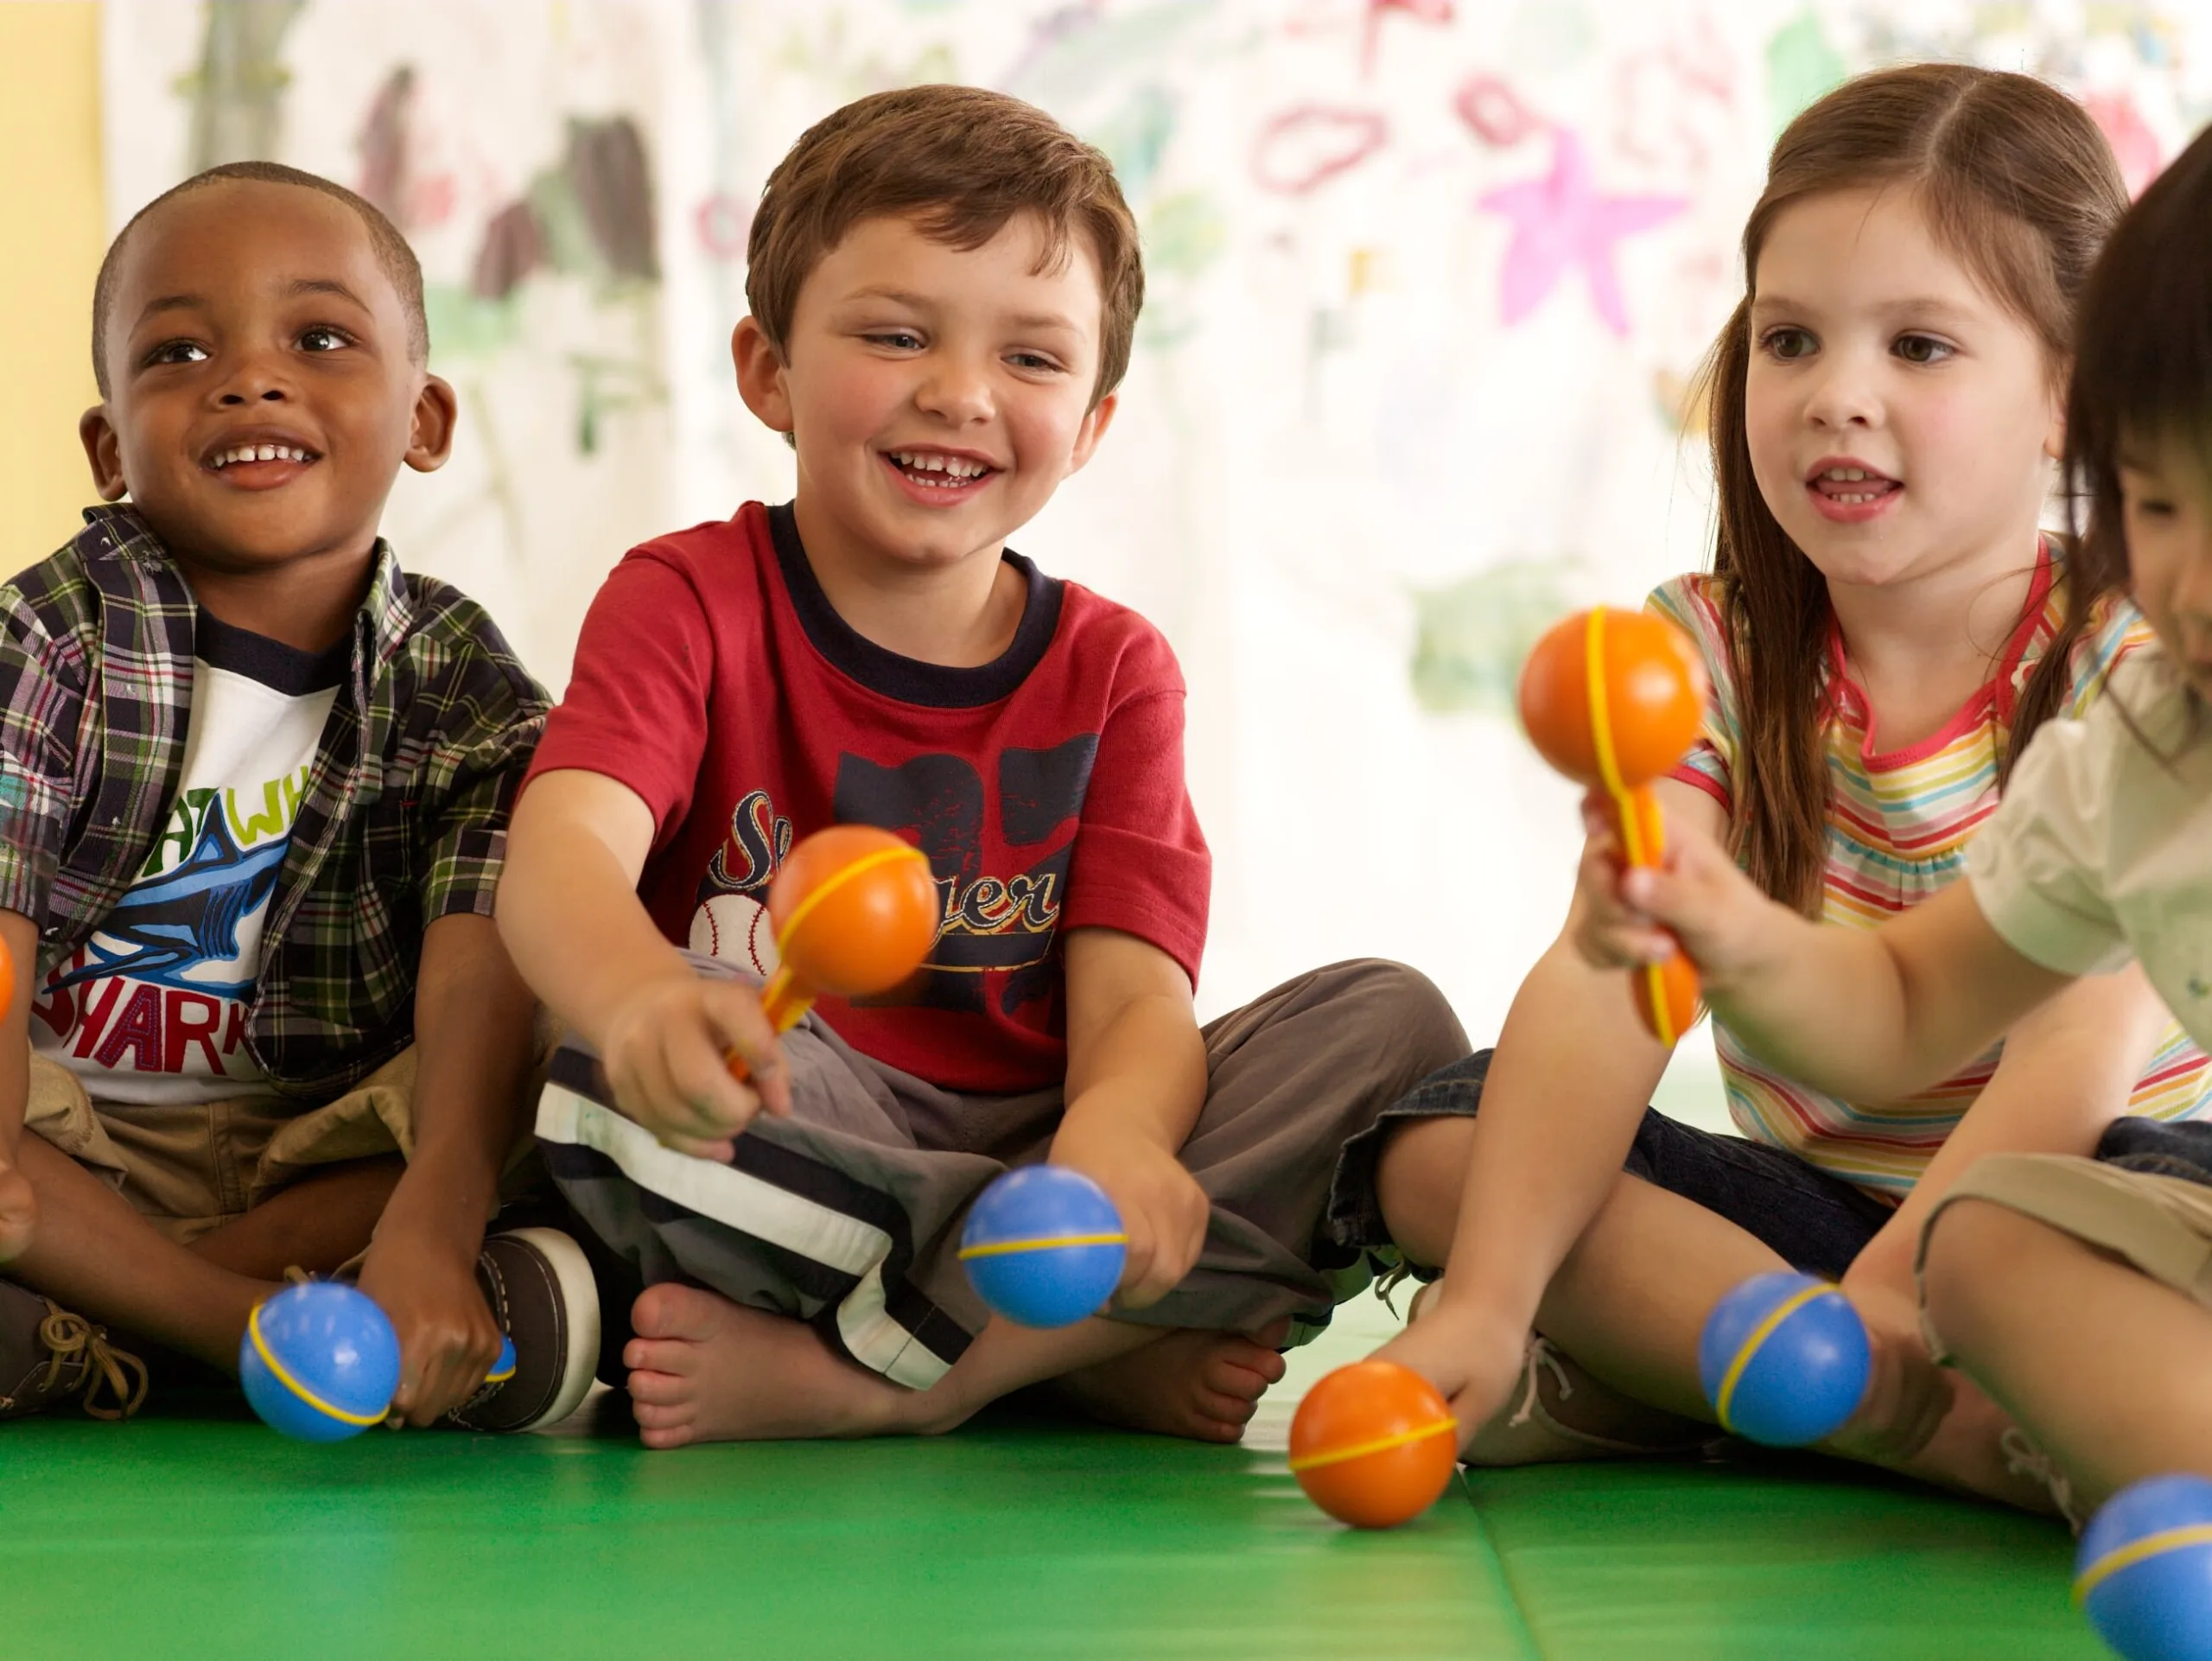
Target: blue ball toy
(1044, 1247)
(1784, 1359)
(2144, 1572)
(320, 1361)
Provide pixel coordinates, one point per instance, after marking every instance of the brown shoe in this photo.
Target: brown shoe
(540, 1286)
(47, 1355)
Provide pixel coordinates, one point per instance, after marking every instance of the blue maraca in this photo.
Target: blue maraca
(320, 1361)
(1044, 1247)
(1784, 1359)
(2144, 1572)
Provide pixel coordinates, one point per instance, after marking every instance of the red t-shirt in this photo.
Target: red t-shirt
(715, 679)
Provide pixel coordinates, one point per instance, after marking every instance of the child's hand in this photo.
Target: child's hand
(1697, 901)
(1906, 1394)
(1163, 1210)
(1475, 1363)
(18, 1210)
(667, 1057)
(447, 1339)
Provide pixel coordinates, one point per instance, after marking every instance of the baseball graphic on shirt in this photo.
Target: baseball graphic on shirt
(736, 930)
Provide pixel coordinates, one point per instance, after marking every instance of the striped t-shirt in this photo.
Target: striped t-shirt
(1898, 824)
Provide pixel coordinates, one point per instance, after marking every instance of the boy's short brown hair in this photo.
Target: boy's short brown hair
(962, 161)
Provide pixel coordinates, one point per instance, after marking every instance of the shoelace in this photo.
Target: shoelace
(1539, 1356)
(1388, 1284)
(2024, 1458)
(67, 1336)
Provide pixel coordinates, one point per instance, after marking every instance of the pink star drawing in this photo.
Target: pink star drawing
(1561, 221)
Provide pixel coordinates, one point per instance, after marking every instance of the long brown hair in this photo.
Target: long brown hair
(2016, 182)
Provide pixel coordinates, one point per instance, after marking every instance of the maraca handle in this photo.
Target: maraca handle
(1666, 993)
(784, 1001)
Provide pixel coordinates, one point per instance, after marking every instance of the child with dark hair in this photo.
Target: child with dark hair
(944, 285)
(2076, 1291)
(1885, 629)
(254, 783)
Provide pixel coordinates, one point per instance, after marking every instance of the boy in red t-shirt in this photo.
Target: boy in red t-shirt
(943, 283)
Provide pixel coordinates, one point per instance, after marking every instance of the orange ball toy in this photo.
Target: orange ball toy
(1373, 1444)
(1613, 699)
(854, 911)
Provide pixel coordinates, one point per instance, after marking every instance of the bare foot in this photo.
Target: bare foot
(703, 1369)
(1200, 1384)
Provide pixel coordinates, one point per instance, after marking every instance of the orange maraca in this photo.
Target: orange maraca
(854, 911)
(1613, 699)
(1373, 1444)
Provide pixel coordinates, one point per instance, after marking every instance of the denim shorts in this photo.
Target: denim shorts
(1815, 1222)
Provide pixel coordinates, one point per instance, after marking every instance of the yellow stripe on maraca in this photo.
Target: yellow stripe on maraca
(1001, 1248)
(1601, 742)
(1725, 1395)
(2136, 1551)
(276, 1367)
(1380, 1445)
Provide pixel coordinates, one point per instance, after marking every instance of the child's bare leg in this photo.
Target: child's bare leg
(1630, 1300)
(93, 1254)
(704, 1369)
(2102, 1367)
(1419, 1181)
(1630, 1304)
(317, 1224)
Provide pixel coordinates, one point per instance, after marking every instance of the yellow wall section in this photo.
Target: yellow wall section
(50, 205)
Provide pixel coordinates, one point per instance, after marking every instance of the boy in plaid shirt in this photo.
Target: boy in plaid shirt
(254, 784)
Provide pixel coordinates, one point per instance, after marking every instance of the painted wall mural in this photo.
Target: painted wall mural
(1429, 282)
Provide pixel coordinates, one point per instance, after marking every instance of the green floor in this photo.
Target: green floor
(184, 1538)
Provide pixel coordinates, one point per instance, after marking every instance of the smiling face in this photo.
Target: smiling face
(261, 395)
(2166, 515)
(1900, 422)
(937, 396)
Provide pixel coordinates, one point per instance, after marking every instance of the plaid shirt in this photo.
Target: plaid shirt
(403, 821)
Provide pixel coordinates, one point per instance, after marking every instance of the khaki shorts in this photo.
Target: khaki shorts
(192, 1167)
(2161, 1226)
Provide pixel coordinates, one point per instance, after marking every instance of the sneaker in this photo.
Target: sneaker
(48, 1355)
(1603, 1424)
(541, 1293)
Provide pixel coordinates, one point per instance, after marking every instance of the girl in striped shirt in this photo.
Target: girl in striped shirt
(1884, 627)
(2076, 1291)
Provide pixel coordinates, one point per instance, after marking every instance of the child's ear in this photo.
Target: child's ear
(104, 449)
(761, 375)
(1093, 429)
(430, 440)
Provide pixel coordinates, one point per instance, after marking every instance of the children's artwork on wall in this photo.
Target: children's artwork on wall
(1428, 287)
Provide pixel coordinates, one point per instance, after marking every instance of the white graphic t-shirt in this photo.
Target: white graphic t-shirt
(151, 1008)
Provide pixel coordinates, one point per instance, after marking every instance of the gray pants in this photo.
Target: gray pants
(848, 1214)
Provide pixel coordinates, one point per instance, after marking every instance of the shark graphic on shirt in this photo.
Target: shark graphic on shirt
(160, 930)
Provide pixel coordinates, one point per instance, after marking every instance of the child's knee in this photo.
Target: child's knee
(1969, 1245)
(1413, 1023)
